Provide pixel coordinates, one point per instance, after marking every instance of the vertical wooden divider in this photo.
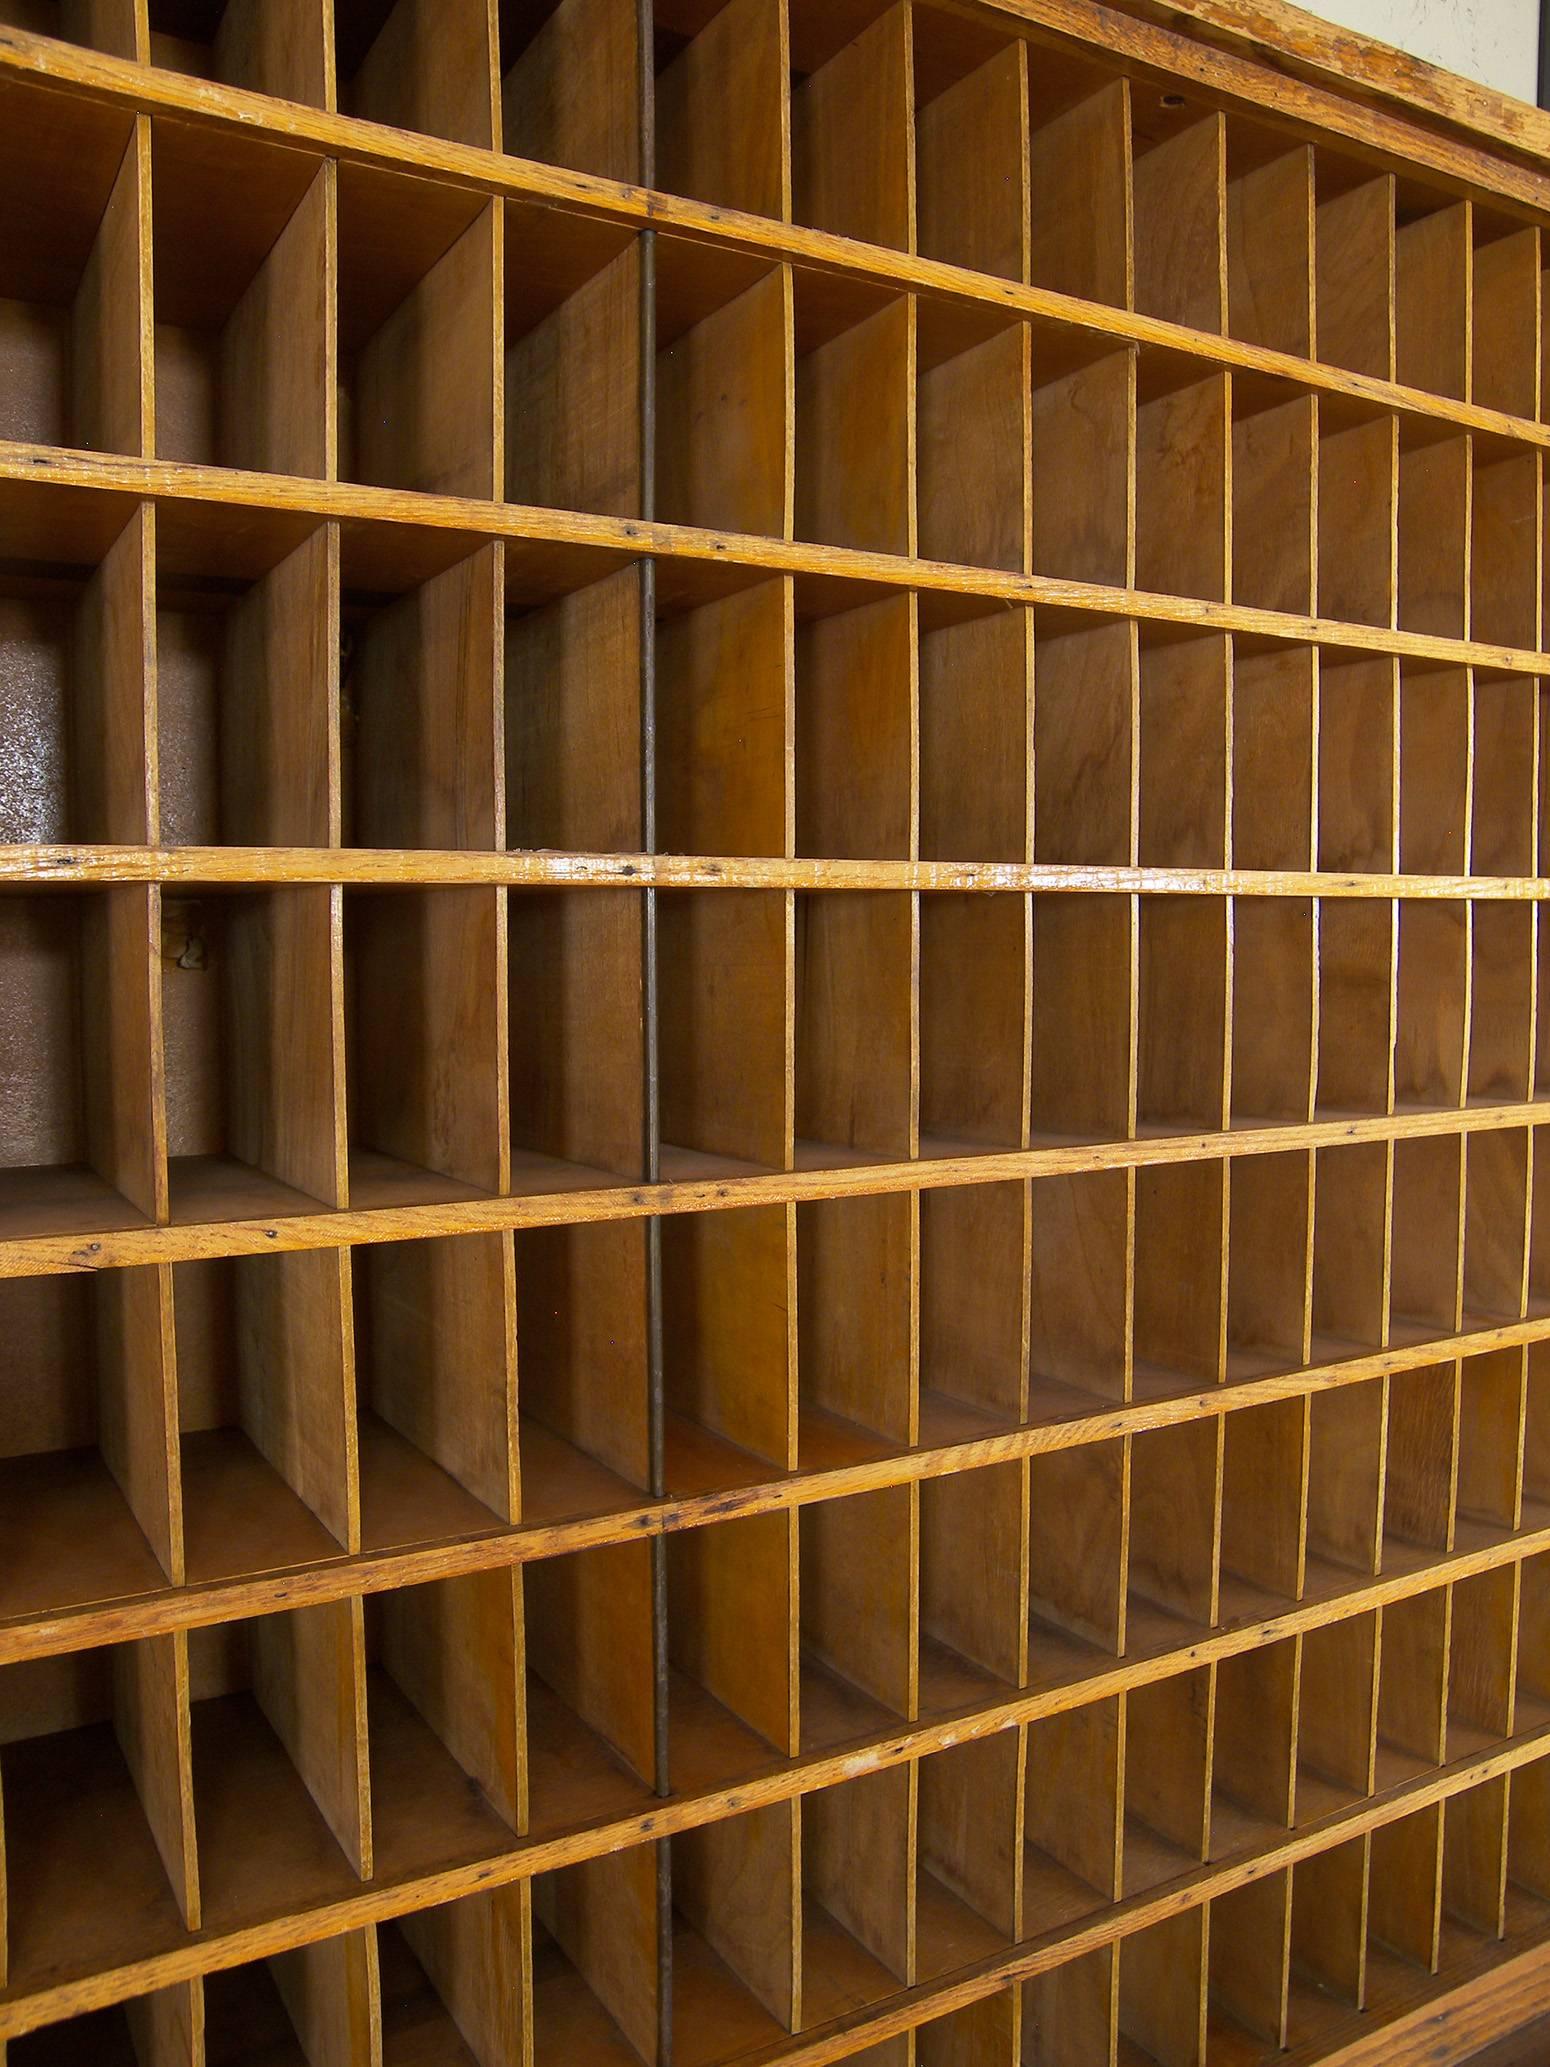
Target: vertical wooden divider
(309, 1674)
(167, 2028)
(139, 1427)
(852, 136)
(112, 376)
(332, 1996)
(151, 1708)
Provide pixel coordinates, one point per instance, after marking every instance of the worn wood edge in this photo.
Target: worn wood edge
(84, 864)
(108, 1249)
(371, 144)
(1348, 61)
(195, 1606)
(642, 538)
(212, 1952)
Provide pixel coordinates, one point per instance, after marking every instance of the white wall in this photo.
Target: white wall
(1496, 41)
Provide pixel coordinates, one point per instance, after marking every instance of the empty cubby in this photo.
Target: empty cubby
(589, 1704)
(856, 1355)
(1183, 461)
(1270, 239)
(434, 1350)
(973, 1611)
(1436, 721)
(76, 713)
(577, 1094)
(724, 962)
(74, 302)
(444, 1705)
(974, 439)
(1356, 1017)
(574, 317)
(735, 1964)
(278, 1731)
(852, 122)
(1168, 1733)
(421, 672)
(1079, 160)
(1435, 505)
(1253, 1748)
(266, 1416)
(1426, 1253)
(1432, 270)
(305, 2005)
(1420, 1477)
(1087, 739)
(1085, 460)
(1274, 499)
(109, 27)
(244, 334)
(575, 660)
(1506, 297)
(457, 1976)
(975, 982)
(541, 43)
(1075, 1761)
(722, 113)
(1354, 266)
(1183, 470)
(723, 391)
(80, 1142)
(1506, 545)
(1274, 1032)
(419, 288)
(251, 1045)
(1269, 1264)
(1347, 1429)
(1358, 503)
(976, 727)
(595, 1935)
(419, 66)
(1174, 1551)
(1336, 1716)
(276, 49)
(972, 203)
(724, 782)
(1178, 1320)
(1080, 1286)
(728, 1345)
(423, 990)
(1505, 775)
(857, 678)
(1412, 1686)
(247, 691)
(1162, 1988)
(969, 1837)
(1431, 1003)
(1084, 1051)
(1078, 1502)
(731, 1702)
(858, 1921)
(859, 1614)
(1179, 170)
(1186, 735)
(1351, 1203)
(582, 1386)
(1183, 1034)
(91, 1489)
(974, 1319)
(94, 1762)
(1274, 755)
(855, 415)
(857, 963)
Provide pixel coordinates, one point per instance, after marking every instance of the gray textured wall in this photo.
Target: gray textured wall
(1493, 40)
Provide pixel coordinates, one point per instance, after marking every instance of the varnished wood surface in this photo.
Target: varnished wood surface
(773, 1240)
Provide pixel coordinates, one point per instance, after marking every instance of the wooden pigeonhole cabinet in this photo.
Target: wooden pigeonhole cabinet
(774, 1225)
